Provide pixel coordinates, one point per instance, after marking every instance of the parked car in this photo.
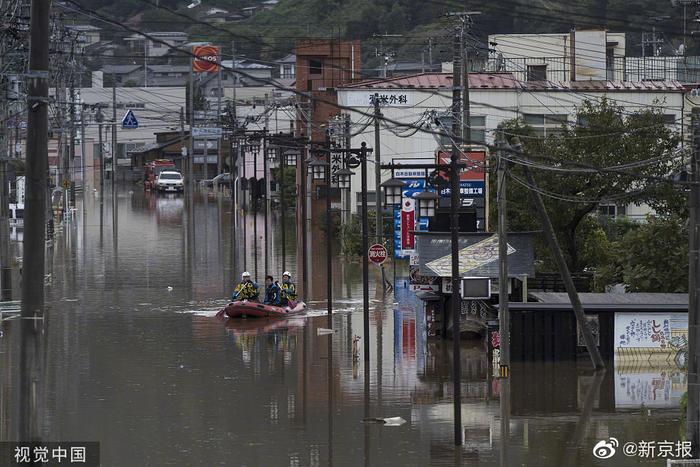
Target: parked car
(170, 180)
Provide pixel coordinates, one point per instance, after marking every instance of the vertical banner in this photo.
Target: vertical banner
(206, 58)
(408, 224)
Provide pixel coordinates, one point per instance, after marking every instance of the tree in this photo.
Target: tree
(568, 169)
(653, 257)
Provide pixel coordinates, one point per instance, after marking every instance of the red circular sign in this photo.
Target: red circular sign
(377, 253)
(206, 58)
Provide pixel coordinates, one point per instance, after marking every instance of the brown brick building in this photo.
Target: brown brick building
(322, 66)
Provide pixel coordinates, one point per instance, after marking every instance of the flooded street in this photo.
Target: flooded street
(133, 357)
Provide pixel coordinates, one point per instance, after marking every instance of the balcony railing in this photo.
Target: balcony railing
(683, 69)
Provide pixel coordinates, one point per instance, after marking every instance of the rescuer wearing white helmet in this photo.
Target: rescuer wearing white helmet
(288, 290)
(246, 289)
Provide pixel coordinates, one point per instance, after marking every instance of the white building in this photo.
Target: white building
(140, 45)
(420, 99)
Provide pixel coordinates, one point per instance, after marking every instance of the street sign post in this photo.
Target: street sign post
(129, 122)
(377, 253)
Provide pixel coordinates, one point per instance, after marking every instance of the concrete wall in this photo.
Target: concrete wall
(495, 105)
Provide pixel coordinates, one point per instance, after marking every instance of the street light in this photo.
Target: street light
(427, 201)
(344, 176)
(291, 159)
(393, 189)
(317, 169)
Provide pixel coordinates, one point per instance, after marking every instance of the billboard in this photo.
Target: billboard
(475, 162)
(478, 254)
(206, 58)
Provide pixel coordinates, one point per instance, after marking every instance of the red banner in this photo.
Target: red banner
(206, 58)
(408, 223)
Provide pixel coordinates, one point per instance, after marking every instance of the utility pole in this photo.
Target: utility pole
(465, 20)
(555, 249)
(454, 230)
(70, 160)
(35, 212)
(503, 279)
(384, 54)
(693, 410)
(115, 207)
(83, 176)
(266, 178)
(190, 156)
(377, 171)
(346, 193)
(430, 53)
(218, 116)
(102, 172)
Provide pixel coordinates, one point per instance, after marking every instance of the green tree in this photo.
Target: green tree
(652, 257)
(605, 137)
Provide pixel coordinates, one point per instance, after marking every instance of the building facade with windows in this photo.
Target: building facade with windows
(424, 101)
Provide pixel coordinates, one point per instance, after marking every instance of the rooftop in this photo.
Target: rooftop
(438, 80)
(614, 298)
(508, 81)
(120, 68)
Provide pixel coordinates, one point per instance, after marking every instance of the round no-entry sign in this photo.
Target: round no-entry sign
(377, 253)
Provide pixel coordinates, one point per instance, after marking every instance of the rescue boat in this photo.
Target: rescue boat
(249, 309)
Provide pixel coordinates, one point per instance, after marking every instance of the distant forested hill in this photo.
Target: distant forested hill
(272, 33)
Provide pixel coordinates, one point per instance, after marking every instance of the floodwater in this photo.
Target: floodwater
(133, 357)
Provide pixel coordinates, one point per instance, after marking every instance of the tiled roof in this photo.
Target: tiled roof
(604, 86)
(439, 80)
(508, 81)
(107, 69)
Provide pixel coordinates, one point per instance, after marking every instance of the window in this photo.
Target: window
(545, 125)
(476, 123)
(315, 66)
(670, 121)
(370, 198)
(611, 210)
(536, 72)
(287, 71)
(610, 63)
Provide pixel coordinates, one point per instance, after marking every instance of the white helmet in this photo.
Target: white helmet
(245, 274)
(287, 273)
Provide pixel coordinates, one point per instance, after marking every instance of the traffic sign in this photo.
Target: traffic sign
(199, 132)
(377, 253)
(129, 121)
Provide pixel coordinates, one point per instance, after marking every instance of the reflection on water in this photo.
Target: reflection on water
(136, 360)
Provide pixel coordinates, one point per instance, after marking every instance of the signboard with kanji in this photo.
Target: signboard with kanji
(387, 98)
(377, 253)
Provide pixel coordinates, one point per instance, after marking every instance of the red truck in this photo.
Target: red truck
(152, 169)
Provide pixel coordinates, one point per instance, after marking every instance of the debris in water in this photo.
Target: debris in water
(170, 289)
(391, 421)
(324, 331)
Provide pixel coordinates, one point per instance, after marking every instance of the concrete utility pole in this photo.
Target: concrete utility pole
(115, 207)
(190, 156)
(693, 410)
(503, 279)
(34, 213)
(454, 230)
(377, 172)
(465, 21)
(220, 91)
(346, 193)
(555, 249)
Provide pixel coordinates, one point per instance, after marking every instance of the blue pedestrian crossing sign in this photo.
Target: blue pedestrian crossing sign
(129, 121)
